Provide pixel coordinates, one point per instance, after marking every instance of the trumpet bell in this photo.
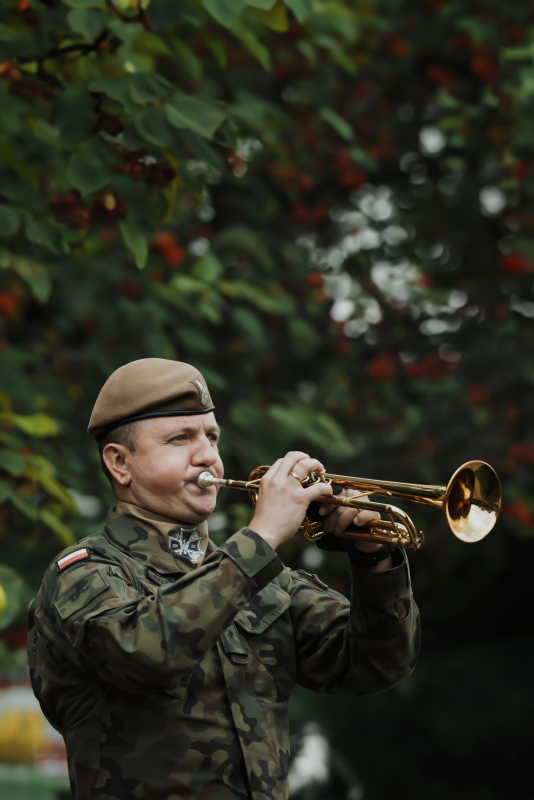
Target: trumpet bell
(472, 501)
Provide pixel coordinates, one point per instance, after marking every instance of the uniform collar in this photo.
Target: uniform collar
(129, 535)
(162, 527)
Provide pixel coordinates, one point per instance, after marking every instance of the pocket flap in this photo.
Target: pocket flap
(80, 594)
(263, 609)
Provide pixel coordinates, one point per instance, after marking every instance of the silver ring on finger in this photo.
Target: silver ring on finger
(294, 475)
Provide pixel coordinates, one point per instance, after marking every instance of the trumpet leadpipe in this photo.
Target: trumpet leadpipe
(206, 479)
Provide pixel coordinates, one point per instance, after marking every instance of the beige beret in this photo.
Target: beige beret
(150, 387)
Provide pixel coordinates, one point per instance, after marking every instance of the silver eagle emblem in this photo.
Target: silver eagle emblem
(202, 391)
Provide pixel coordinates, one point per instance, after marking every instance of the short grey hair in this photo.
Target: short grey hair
(125, 435)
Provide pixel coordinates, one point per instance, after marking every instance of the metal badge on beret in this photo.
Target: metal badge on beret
(203, 393)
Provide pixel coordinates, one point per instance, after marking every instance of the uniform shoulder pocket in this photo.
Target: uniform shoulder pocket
(80, 594)
(263, 609)
(307, 577)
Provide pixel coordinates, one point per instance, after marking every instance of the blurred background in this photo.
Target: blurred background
(327, 207)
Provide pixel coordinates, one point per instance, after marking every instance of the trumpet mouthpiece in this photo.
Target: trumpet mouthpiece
(206, 479)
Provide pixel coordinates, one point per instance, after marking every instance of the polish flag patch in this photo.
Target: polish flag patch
(78, 555)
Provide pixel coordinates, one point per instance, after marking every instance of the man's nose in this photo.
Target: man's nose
(205, 453)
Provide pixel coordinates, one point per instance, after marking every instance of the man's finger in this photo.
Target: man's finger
(347, 517)
(290, 461)
(337, 520)
(317, 490)
(307, 465)
(365, 516)
(273, 469)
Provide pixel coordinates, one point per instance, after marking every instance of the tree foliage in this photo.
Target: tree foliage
(325, 206)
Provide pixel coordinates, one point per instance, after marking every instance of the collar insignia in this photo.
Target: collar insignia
(186, 543)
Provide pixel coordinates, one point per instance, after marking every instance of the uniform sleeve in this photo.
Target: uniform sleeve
(139, 643)
(363, 647)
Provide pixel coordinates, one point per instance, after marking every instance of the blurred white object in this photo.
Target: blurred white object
(311, 765)
(492, 201)
(316, 769)
(432, 140)
(87, 505)
(217, 521)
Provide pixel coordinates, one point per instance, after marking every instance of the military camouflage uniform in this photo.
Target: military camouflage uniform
(172, 681)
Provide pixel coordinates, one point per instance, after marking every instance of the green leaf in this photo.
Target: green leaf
(53, 487)
(361, 157)
(195, 340)
(273, 304)
(36, 276)
(169, 12)
(276, 18)
(87, 22)
(152, 124)
(88, 173)
(252, 43)
(217, 48)
(305, 336)
(250, 325)
(10, 221)
(44, 233)
(204, 118)
(227, 134)
(135, 241)
(85, 3)
(35, 424)
(340, 125)
(245, 415)
(256, 112)
(147, 88)
(208, 268)
(224, 11)
(5, 491)
(11, 462)
(115, 88)
(264, 5)
(302, 9)
(13, 591)
(73, 112)
(64, 534)
(187, 285)
(204, 151)
(126, 30)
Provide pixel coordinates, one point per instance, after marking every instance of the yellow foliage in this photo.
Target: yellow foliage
(22, 735)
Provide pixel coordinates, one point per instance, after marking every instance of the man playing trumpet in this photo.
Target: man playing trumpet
(167, 663)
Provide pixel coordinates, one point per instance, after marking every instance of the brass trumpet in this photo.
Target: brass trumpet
(471, 502)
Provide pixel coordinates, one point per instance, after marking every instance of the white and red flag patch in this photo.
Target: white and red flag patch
(78, 555)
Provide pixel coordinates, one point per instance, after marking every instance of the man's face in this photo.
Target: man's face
(160, 474)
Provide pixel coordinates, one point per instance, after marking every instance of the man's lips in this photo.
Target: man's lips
(194, 479)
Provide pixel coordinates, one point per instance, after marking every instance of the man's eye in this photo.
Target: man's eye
(178, 438)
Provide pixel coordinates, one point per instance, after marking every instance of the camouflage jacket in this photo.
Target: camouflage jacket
(169, 681)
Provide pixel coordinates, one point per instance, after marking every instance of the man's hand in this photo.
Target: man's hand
(282, 501)
(338, 520)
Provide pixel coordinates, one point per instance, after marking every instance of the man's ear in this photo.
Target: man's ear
(116, 460)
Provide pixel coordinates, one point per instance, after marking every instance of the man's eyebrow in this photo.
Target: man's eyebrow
(190, 429)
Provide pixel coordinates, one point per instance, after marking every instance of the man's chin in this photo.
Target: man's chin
(194, 515)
